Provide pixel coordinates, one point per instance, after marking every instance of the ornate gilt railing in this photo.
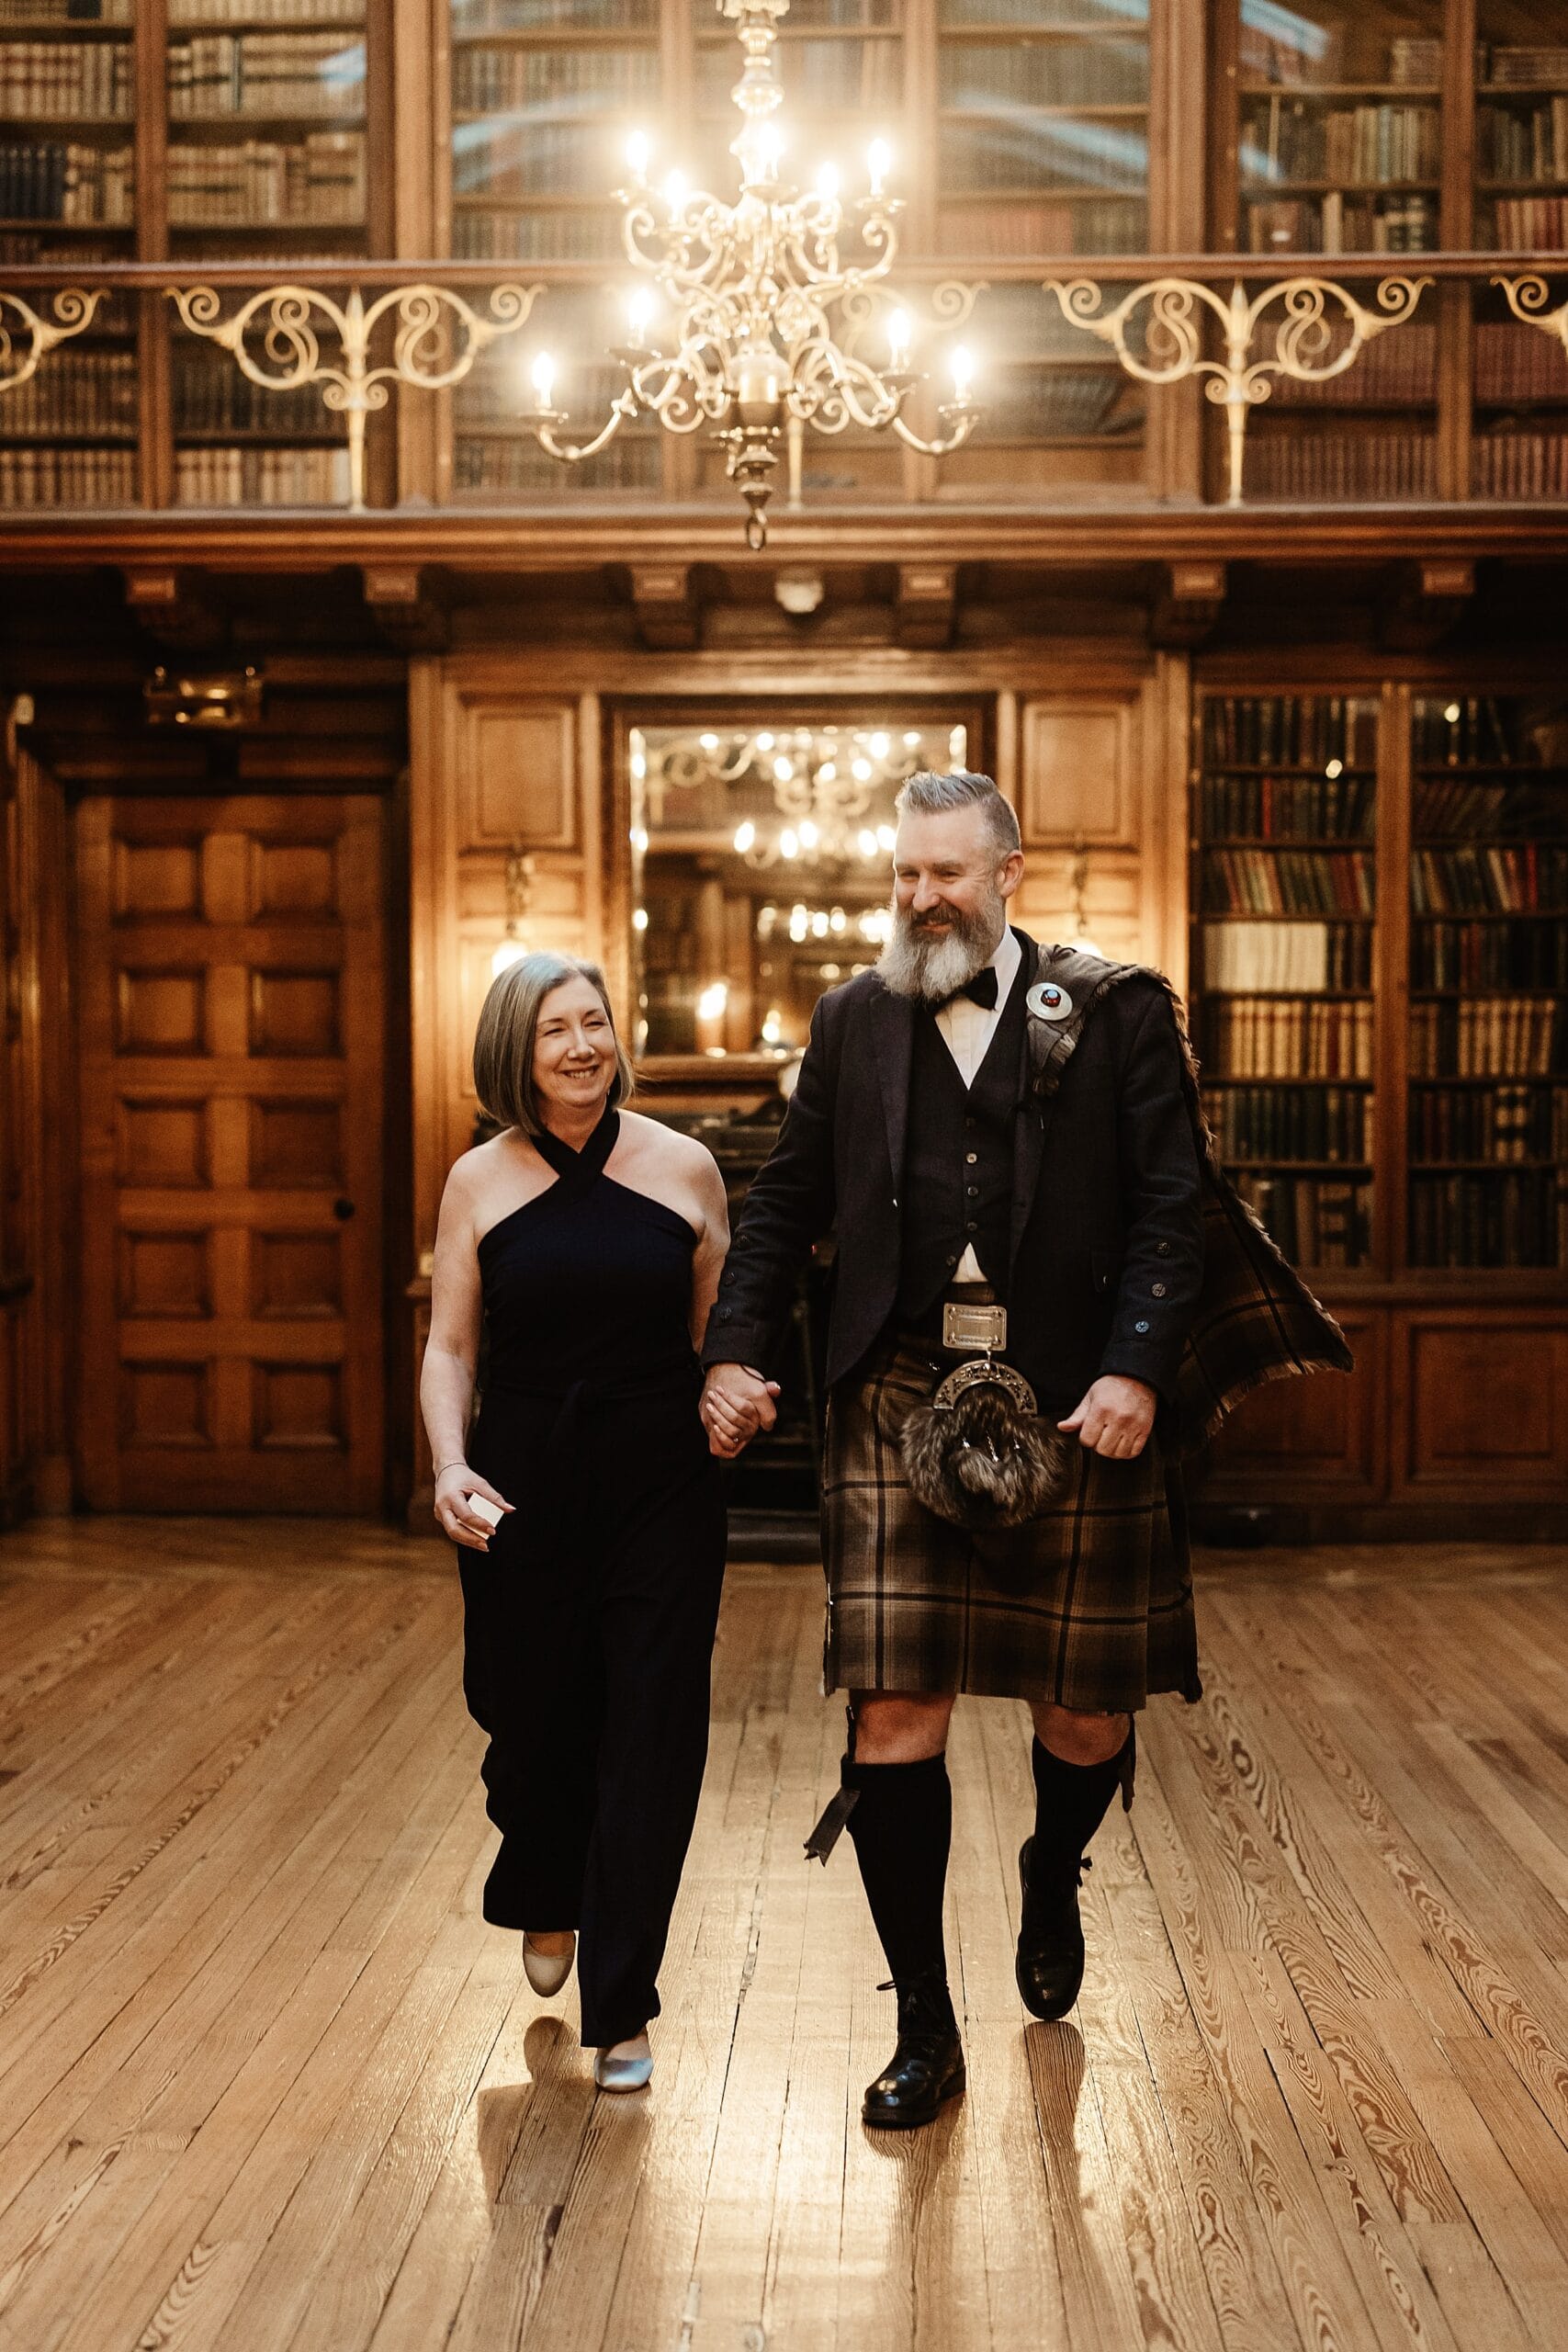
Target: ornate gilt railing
(349, 334)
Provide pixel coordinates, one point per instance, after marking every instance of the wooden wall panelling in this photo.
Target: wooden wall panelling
(45, 1109)
(1091, 780)
(1480, 1404)
(1324, 1439)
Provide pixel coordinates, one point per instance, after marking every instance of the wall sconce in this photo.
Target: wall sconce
(519, 897)
(206, 698)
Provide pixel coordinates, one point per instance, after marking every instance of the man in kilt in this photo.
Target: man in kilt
(1008, 1142)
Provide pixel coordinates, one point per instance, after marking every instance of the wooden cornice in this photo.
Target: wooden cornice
(523, 540)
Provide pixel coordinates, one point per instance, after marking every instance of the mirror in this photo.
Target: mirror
(760, 870)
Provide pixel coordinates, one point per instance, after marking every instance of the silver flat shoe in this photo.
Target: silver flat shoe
(547, 1970)
(621, 2074)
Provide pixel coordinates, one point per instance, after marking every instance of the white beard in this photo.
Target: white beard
(931, 966)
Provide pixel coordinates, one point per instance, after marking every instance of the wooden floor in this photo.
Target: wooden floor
(268, 2081)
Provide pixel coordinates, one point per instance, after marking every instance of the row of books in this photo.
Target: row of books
(503, 160)
(494, 394)
(1401, 367)
(1282, 1123)
(1519, 465)
(1288, 882)
(261, 477)
(66, 12)
(1505, 1123)
(58, 179)
(1056, 74)
(79, 391)
(1508, 63)
(1057, 402)
(1289, 808)
(266, 12)
(1526, 954)
(1315, 1222)
(536, 236)
(485, 79)
(42, 80)
(1511, 878)
(1289, 730)
(67, 477)
(474, 17)
(1039, 152)
(1515, 1219)
(1460, 732)
(511, 467)
(1116, 16)
(1525, 224)
(1511, 362)
(266, 74)
(1295, 957)
(1514, 146)
(1488, 1037)
(1286, 139)
(1441, 807)
(1333, 223)
(844, 76)
(1342, 465)
(1008, 232)
(1294, 51)
(212, 396)
(319, 178)
(1288, 1037)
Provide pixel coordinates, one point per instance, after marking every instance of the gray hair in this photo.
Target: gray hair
(928, 793)
(509, 1023)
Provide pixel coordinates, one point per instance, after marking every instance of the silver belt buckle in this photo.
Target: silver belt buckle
(966, 1331)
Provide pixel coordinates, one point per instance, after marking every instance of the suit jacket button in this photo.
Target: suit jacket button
(1157, 1289)
(1140, 1326)
(1163, 1249)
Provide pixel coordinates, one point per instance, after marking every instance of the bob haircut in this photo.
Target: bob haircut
(509, 1024)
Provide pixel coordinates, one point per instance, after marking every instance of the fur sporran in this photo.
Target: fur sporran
(979, 1455)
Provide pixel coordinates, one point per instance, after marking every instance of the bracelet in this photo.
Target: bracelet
(459, 1465)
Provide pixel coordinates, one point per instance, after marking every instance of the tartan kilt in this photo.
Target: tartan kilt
(1089, 1605)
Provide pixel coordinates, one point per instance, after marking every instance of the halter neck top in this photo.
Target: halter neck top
(589, 1284)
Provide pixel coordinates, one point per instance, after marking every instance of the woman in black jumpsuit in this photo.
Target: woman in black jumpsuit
(590, 1614)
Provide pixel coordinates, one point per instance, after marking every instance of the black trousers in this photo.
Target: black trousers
(588, 1642)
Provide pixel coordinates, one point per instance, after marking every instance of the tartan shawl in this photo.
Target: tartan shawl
(1255, 1319)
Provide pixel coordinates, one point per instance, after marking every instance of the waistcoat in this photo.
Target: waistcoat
(958, 1160)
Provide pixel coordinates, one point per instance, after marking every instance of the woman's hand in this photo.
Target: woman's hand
(455, 1483)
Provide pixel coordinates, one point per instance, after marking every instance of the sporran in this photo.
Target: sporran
(978, 1455)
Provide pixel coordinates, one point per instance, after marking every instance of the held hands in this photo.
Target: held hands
(1114, 1417)
(455, 1483)
(736, 1403)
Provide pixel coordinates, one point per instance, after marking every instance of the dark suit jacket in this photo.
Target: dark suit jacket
(1107, 1245)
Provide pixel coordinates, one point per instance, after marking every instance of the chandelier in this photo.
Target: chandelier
(768, 319)
(831, 787)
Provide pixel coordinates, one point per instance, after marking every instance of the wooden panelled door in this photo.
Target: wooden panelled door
(231, 1010)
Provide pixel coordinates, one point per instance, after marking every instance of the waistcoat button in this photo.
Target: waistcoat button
(1140, 1326)
(1157, 1289)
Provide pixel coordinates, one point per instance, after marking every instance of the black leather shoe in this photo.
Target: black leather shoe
(1050, 1941)
(927, 2068)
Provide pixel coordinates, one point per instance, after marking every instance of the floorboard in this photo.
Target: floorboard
(266, 2079)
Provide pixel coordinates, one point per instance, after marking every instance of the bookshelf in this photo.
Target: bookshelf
(67, 193)
(1488, 1038)
(1284, 900)
(1521, 125)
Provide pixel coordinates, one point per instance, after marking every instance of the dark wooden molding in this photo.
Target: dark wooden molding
(406, 609)
(925, 605)
(1422, 602)
(173, 608)
(1189, 599)
(669, 617)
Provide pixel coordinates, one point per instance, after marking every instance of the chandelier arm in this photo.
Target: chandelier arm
(622, 408)
(963, 425)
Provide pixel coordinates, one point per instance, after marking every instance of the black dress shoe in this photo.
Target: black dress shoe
(1050, 1939)
(927, 2068)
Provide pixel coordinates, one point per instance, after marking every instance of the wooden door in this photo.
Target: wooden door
(230, 955)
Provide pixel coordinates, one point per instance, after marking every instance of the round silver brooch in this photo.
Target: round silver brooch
(1049, 1002)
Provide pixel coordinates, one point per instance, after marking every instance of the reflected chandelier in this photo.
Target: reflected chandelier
(768, 319)
(825, 783)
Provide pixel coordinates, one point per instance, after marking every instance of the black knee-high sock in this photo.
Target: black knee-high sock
(902, 1828)
(1070, 1803)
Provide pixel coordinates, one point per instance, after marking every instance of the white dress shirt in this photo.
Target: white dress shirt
(967, 1029)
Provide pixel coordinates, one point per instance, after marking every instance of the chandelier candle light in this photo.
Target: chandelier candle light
(768, 320)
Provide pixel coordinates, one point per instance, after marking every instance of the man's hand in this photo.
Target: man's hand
(1115, 1416)
(736, 1403)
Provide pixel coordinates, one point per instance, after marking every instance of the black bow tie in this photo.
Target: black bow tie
(981, 990)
